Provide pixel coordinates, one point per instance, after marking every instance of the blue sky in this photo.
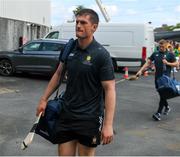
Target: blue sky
(124, 11)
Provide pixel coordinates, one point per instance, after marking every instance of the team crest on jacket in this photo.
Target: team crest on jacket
(87, 60)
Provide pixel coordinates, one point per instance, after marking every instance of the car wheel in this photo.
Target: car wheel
(6, 68)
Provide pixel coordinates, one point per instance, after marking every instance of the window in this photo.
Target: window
(53, 35)
(52, 47)
(32, 47)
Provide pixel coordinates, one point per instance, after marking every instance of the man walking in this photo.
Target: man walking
(163, 61)
(88, 111)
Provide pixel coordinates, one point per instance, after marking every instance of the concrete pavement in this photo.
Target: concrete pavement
(137, 133)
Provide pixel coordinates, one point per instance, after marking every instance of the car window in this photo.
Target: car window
(32, 46)
(53, 35)
(52, 46)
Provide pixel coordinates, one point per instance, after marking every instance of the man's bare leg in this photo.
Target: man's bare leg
(85, 151)
(67, 149)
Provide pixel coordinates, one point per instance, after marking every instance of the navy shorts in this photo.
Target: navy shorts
(86, 132)
(86, 140)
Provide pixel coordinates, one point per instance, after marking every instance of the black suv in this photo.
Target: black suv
(37, 56)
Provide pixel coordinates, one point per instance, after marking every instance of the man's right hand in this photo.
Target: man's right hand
(41, 107)
(139, 73)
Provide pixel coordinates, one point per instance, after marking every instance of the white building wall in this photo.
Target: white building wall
(33, 11)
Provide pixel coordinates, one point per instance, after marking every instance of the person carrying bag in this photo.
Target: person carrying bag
(87, 117)
(46, 127)
(163, 61)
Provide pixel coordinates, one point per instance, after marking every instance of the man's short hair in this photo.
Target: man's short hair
(162, 42)
(93, 15)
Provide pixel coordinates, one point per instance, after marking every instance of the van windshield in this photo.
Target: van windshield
(53, 35)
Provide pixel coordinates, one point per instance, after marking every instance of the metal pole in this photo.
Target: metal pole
(103, 10)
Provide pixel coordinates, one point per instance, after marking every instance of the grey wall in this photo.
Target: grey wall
(34, 11)
(12, 30)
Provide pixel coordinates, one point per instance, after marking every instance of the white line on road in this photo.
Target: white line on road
(122, 80)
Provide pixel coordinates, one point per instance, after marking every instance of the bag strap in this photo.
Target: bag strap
(173, 73)
(60, 81)
(164, 67)
(67, 50)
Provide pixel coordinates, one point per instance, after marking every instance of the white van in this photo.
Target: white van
(128, 44)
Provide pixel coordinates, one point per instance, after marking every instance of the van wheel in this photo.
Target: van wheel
(116, 68)
(6, 68)
(143, 62)
(120, 69)
(115, 65)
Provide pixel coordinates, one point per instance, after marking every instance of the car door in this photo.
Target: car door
(26, 60)
(48, 56)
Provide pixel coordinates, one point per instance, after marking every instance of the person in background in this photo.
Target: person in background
(90, 97)
(163, 62)
(170, 49)
(156, 46)
(177, 53)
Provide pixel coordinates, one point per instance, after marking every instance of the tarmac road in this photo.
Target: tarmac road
(137, 134)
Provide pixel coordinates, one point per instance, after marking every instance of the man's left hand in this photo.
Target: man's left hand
(165, 61)
(107, 134)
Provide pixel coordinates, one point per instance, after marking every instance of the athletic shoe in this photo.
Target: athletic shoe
(157, 116)
(167, 110)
